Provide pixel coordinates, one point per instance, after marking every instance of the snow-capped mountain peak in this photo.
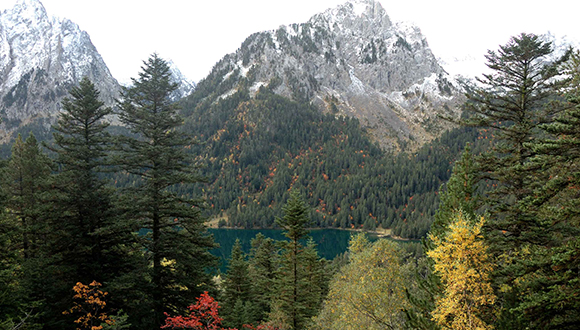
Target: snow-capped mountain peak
(185, 86)
(41, 57)
(28, 10)
(350, 60)
(354, 13)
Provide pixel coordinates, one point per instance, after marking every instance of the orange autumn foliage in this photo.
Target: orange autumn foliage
(90, 303)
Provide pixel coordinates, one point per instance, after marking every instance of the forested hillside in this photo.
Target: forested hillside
(253, 150)
(256, 149)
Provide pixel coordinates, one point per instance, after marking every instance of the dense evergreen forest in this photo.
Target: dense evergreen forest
(259, 148)
(104, 228)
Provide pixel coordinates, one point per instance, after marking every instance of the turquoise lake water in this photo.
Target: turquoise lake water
(330, 242)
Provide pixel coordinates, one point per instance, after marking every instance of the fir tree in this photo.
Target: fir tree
(290, 283)
(26, 181)
(24, 229)
(514, 100)
(550, 285)
(237, 290)
(88, 237)
(457, 195)
(314, 277)
(262, 271)
(84, 201)
(511, 103)
(294, 298)
(10, 297)
(176, 242)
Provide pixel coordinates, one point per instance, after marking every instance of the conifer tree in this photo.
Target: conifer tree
(314, 277)
(462, 262)
(237, 295)
(24, 229)
(262, 271)
(10, 304)
(89, 238)
(176, 242)
(550, 286)
(26, 181)
(513, 102)
(83, 200)
(457, 195)
(293, 297)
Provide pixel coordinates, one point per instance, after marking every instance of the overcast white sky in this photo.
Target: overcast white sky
(196, 34)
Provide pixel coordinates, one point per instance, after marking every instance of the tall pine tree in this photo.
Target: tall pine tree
(457, 195)
(89, 238)
(237, 295)
(262, 271)
(176, 242)
(316, 279)
(26, 181)
(84, 201)
(24, 233)
(295, 297)
(551, 285)
(511, 104)
(512, 101)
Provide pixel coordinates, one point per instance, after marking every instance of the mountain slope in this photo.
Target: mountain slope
(350, 60)
(256, 149)
(185, 86)
(40, 59)
(284, 113)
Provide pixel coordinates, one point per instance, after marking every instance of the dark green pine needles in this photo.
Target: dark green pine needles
(176, 242)
(88, 240)
(299, 282)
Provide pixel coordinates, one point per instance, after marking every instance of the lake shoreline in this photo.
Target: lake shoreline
(379, 232)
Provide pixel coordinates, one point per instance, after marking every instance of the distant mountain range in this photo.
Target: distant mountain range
(41, 58)
(350, 60)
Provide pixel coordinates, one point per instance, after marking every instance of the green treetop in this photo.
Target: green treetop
(176, 241)
(90, 240)
(237, 294)
(515, 100)
(549, 286)
(512, 102)
(293, 297)
(262, 271)
(26, 181)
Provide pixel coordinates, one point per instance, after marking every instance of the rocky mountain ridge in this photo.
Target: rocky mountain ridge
(185, 86)
(351, 60)
(41, 58)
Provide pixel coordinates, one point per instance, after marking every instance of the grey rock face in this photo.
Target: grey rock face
(185, 86)
(41, 58)
(352, 60)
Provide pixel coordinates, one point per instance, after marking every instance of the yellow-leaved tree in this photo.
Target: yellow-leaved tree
(462, 262)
